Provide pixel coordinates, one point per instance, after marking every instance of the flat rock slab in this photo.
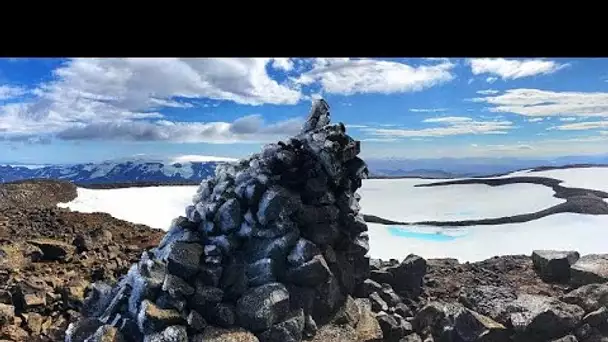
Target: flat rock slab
(589, 297)
(589, 269)
(554, 265)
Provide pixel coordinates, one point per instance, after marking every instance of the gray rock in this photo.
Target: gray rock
(175, 333)
(177, 287)
(105, 333)
(472, 326)
(210, 275)
(152, 319)
(217, 334)
(403, 310)
(289, 330)
(7, 314)
(256, 249)
(221, 314)
(567, 338)
(597, 318)
(368, 329)
(393, 327)
(229, 216)
(311, 273)
(408, 275)
(261, 272)
(97, 300)
(253, 192)
(544, 317)
(490, 301)
(378, 304)
(328, 298)
(274, 229)
(303, 251)
(310, 327)
(589, 269)
(335, 333)
(382, 276)
(271, 205)
(196, 321)
(411, 338)
(205, 294)
(368, 287)
(389, 296)
(349, 313)
(261, 307)
(324, 233)
(227, 244)
(590, 297)
(183, 259)
(554, 265)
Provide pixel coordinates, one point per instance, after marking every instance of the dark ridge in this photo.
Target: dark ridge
(578, 201)
(136, 184)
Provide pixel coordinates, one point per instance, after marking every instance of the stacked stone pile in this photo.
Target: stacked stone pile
(273, 244)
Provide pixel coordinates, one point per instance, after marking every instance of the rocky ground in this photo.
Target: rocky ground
(49, 257)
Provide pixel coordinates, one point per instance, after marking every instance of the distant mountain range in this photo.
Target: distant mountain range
(114, 172)
(193, 170)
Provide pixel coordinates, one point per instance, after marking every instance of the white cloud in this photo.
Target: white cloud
(487, 92)
(9, 92)
(449, 126)
(427, 110)
(581, 126)
(93, 96)
(491, 79)
(535, 119)
(510, 69)
(448, 119)
(245, 129)
(347, 76)
(536, 102)
(285, 64)
(504, 148)
(568, 119)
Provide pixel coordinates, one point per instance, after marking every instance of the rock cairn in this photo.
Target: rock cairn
(272, 247)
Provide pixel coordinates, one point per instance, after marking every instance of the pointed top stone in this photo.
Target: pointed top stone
(319, 116)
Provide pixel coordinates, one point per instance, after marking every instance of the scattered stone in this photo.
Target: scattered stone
(597, 318)
(368, 329)
(176, 333)
(216, 334)
(589, 297)
(52, 249)
(554, 265)
(335, 333)
(7, 314)
(589, 269)
(349, 313)
(378, 304)
(407, 277)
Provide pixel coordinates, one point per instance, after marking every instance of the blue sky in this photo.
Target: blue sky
(78, 110)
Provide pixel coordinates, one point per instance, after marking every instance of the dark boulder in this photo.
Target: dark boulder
(261, 307)
(554, 265)
(289, 330)
(589, 297)
(589, 269)
(183, 259)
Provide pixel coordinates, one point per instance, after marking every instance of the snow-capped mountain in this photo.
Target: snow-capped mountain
(116, 171)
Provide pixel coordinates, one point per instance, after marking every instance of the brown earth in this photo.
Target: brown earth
(49, 256)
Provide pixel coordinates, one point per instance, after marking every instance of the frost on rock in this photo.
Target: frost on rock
(273, 244)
